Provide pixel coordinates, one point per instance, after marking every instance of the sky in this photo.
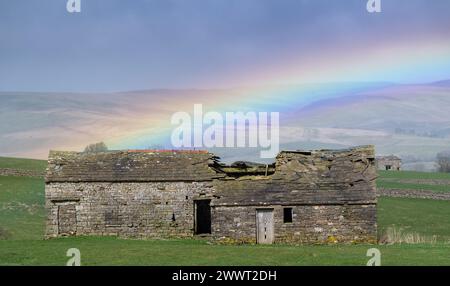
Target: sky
(115, 45)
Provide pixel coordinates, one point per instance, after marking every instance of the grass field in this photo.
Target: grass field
(425, 217)
(24, 164)
(413, 175)
(412, 186)
(22, 218)
(409, 180)
(112, 251)
(22, 212)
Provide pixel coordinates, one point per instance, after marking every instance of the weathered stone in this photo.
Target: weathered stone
(331, 195)
(20, 173)
(419, 194)
(389, 163)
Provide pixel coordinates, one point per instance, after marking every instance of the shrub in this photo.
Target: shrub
(397, 235)
(96, 147)
(443, 161)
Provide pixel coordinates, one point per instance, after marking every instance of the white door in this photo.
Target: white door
(264, 226)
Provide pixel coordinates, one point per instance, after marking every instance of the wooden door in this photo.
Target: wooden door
(264, 226)
(67, 219)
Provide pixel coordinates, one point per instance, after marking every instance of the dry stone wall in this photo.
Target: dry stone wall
(310, 224)
(418, 194)
(20, 173)
(124, 209)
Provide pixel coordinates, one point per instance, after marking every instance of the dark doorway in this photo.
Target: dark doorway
(202, 217)
(287, 215)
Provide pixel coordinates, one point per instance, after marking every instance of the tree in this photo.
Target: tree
(96, 147)
(443, 161)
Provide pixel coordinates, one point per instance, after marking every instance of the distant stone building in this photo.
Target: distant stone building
(304, 197)
(389, 163)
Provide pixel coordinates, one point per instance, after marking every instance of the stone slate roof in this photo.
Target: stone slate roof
(390, 158)
(131, 166)
(308, 177)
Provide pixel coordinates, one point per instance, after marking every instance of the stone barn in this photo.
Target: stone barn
(389, 163)
(304, 197)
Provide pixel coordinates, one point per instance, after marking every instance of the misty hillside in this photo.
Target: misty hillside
(412, 121)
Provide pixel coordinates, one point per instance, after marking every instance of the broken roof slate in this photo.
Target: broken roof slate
(389, 157)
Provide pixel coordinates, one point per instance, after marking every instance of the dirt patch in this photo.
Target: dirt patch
(4, 234)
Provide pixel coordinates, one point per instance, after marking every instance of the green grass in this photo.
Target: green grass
(413, 175)
(387, 180)
(22, 213)
(426, 217)
(24, 164)
(22, 218)
(412, 186)
(112, 251)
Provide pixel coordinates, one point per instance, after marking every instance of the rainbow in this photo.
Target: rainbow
(302, 82)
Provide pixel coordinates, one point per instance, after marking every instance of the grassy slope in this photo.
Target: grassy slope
(21, 208)
(22, 201)
(426, 217)
(24, 164)
(22, 215)
(405, 175)
(413, 175)
(412, 186)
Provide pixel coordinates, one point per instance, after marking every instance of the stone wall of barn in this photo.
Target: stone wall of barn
(389, 163)
(332, 195)
(124, 209)
(310, 224)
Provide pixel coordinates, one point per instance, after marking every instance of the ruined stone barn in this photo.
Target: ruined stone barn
(388, 163)
(304, 197)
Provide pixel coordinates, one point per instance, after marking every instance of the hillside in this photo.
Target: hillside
(407, 120)
(409, 180)
(22, 213)
(23, 164)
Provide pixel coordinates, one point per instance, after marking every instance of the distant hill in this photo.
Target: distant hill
(411, 121)
(407, 120)
(445, 83)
